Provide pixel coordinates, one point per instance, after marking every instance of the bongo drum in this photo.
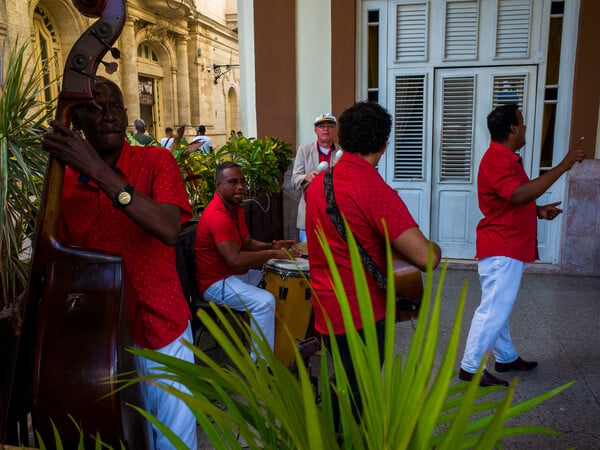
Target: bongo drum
(284, 279)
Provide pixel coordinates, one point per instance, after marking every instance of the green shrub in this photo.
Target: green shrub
(263, 161)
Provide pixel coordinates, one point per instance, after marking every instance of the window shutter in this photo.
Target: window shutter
(411, 32)
(510, 89)
(409, 127)
(462, 23)
(458, 96)
(512, 28)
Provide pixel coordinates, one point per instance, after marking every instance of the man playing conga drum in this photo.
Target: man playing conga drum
(226, 254)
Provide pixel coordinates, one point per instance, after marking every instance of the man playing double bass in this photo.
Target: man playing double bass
(130, 200)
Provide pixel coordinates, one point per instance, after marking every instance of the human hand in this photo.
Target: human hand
(575, 154)
(285, 243)
(70, 148)
(310, 176)
(549, 211)
(287, 248)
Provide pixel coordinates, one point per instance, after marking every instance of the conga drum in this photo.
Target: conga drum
(289, 283)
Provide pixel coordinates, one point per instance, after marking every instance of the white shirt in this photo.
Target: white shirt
(166, 142)
(206, 142)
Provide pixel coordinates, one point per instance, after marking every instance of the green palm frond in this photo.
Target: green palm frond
(407, 405)
(23, 117)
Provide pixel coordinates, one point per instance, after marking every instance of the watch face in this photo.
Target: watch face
(124, 198)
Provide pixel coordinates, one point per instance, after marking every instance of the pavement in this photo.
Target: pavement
(555, 322)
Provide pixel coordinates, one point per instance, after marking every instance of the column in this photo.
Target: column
(183, 81)
(128, 69)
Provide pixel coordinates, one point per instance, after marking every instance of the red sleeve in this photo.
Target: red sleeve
(391, 208)
(167, 184)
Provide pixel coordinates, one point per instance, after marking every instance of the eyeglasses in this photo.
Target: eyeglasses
(326, 125)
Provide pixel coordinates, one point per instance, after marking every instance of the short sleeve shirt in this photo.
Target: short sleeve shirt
(88, 219)
(217, 225)
(507, 229)
(365, 200)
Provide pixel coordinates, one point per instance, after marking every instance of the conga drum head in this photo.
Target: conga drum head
(291, 268)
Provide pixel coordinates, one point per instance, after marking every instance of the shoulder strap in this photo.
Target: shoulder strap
(336, 218)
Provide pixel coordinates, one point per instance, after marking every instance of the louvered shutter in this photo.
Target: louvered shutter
(409, 127)
(510, 89)
(411, 32)
(462, 24)
(512, 28)
(456, 153)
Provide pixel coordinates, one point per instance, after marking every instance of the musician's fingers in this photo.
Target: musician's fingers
(58, 126)
(554, 204)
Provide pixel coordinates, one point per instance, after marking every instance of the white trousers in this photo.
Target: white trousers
(240, 292)
(167, 408)
(500, 277)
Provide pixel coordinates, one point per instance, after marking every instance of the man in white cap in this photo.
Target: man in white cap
(314, 158)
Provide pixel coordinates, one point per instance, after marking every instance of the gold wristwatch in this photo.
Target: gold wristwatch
(123, 197)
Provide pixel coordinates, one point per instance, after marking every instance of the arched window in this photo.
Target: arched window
(48, 46)
(145, 52)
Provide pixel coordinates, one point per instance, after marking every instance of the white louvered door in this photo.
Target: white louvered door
(448, 63)
(463, 99)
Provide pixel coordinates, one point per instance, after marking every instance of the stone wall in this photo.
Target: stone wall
(581, 234)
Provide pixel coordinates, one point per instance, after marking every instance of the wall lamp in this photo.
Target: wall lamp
(222, 69)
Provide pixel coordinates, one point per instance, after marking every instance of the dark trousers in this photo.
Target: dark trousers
(342, 342)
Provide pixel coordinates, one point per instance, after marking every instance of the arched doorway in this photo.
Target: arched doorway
(233, 111)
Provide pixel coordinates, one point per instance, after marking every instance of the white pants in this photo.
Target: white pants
(500, 277)
(240, 292)
(167, 408)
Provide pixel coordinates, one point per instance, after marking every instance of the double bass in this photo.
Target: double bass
(76, 327)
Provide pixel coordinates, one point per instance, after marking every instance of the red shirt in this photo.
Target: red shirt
(507, 229)
(217, 225)
(88, 219)
(364, 198)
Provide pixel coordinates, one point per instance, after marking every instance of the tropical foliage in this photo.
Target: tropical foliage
(23, 115)
(407, 405)
(264, 161)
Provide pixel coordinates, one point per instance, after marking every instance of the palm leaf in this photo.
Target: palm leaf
(405, 405)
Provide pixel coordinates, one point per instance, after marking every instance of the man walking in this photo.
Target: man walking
(506, 240)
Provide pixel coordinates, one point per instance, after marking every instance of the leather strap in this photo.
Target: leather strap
(336, 218)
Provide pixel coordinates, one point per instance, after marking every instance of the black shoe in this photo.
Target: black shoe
(518, 365)
(487, 379)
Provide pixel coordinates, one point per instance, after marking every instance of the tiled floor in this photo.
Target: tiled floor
(554, 321)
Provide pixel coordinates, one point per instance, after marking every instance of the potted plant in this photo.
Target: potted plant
(24, 113)
(263, 161)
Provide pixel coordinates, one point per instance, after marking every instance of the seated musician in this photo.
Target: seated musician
(364, 199)
(130, 200)
(226, 253)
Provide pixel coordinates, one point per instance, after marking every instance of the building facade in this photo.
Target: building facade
(171, 54)
(439, 67)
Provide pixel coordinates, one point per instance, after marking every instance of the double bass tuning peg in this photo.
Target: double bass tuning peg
(110, 67)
